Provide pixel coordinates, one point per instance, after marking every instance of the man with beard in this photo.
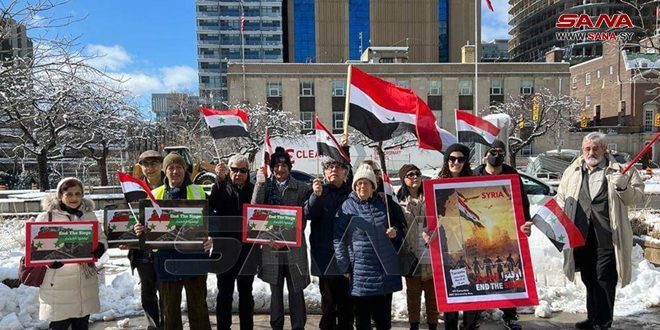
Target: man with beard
(596, 195)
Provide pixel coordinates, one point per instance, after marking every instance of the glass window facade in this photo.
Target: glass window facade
(338, 88)
(307, 118)
(435, 87)
(496, 87)
(443, 31)
(358, 28)
(465, 87)
(304, 42)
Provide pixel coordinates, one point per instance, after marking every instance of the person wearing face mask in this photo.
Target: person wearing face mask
(596, 196)
(494, 165)
(70, 292)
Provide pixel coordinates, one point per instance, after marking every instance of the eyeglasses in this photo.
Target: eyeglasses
(495, 152)
(453, 159)
(239, 170)
(413, 174)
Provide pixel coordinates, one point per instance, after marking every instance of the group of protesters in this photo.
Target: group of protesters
(362, 243)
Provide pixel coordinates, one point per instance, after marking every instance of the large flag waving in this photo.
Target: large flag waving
(471, 128)
(559, 228)
(222, 124)
(327, 145)
(268, 150)
(382, 110)
(136, 189)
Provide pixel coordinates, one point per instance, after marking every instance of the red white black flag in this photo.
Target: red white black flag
(471, 128)
(557, 226)
(327, 145)
(136, 189)
(229, 123)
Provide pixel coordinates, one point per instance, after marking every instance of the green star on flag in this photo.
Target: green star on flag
(38, 245)
(238, 120)
(553, 220)
(560, 238)
(113, 227)
(221, 120)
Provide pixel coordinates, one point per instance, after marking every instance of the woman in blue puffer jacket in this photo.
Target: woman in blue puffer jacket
(366, 250)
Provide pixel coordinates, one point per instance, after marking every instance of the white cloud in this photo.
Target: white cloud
(495, 24)
(179, 77)
(139, 84)
(110, 58)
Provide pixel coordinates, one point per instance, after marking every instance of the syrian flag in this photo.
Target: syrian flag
(327, 145)
(468, 214)
(471, 128)
(222, 124)
(555, 224)
(388, 188)
(136, 189)
(268, 150)
(382, 110)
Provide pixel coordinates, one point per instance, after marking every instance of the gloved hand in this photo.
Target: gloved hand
(619, 180)
(56, 265)
(100, 250)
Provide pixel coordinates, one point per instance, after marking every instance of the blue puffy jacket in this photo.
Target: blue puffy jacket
(363, 249)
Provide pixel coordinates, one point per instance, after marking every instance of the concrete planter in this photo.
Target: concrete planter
(651, 250)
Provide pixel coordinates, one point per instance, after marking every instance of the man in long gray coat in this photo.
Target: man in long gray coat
(596, 195)
(280, 263)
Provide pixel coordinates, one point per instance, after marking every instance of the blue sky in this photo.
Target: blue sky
(152, 43)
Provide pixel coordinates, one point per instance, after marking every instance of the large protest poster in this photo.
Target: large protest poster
(480, 258)
(66, 242)
(182, 223)
(264, 224)
(118, 221)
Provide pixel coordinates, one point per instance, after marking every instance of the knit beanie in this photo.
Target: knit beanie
(69, 182)
(365, 172)
(458, 147)
(405, 169)
(280, 156)
(172, 158)
(499, 144)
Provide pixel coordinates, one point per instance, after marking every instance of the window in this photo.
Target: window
(337, 120)
(306, 88)
(527, 87)
(435, 87)
(307, 118)
(587, 100)
(598, 74)
(274, 88)
(612, 147)
(649, 115)
(465, 87)
(338, 88)
(611, 70)
(403, 83)
(574, 82)
(496, 87)
(587, 79)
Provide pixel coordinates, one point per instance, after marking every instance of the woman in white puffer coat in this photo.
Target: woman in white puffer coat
(70, 292)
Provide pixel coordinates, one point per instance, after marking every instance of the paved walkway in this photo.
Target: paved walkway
(650, 320)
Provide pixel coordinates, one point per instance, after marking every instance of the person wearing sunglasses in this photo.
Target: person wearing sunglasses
(456, 164)
(494, 165)
(320, 209)
(415, 263)
(233, 189)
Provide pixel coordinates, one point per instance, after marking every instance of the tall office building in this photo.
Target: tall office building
(220, 25)
(340, 30)
(532, 26)
(14, 42)
(328, 31)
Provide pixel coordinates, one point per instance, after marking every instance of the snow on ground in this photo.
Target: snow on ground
(120, 290)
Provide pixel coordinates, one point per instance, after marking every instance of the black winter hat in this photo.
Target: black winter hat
(499, 144)
(458, 147)
(280, 156)
(405, 169)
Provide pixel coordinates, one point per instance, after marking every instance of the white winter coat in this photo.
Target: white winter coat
(72, 290)
(619, 201)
